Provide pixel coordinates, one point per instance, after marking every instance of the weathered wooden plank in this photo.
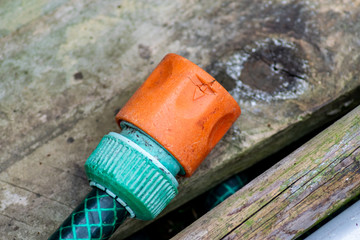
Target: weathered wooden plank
(67, 66)
(43, 211)
(295, 194)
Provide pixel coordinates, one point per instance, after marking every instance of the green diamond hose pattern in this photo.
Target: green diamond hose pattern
(97, 217)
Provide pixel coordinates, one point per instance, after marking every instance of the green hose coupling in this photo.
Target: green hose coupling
(134, 169)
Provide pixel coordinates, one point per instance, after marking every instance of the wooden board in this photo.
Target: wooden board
(67, 66)
(293, 195)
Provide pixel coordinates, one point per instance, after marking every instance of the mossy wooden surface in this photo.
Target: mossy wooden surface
(295, 194)
(67, 66)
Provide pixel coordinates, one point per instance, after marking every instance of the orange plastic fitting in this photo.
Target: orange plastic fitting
(183, 108)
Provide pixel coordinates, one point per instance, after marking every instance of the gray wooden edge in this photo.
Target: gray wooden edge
(293, 195)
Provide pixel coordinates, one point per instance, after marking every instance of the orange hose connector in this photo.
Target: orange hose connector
(183, 108)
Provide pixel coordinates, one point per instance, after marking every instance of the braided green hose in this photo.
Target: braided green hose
(97, 217)
(224, 190)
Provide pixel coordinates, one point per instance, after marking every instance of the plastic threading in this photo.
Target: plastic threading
(149, 144)
(146, 154)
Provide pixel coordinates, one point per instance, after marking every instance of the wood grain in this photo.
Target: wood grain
(67, 66)
(295, 194)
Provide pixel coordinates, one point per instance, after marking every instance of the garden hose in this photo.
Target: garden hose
(168, 127)
(224, 190)
(97, 217)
